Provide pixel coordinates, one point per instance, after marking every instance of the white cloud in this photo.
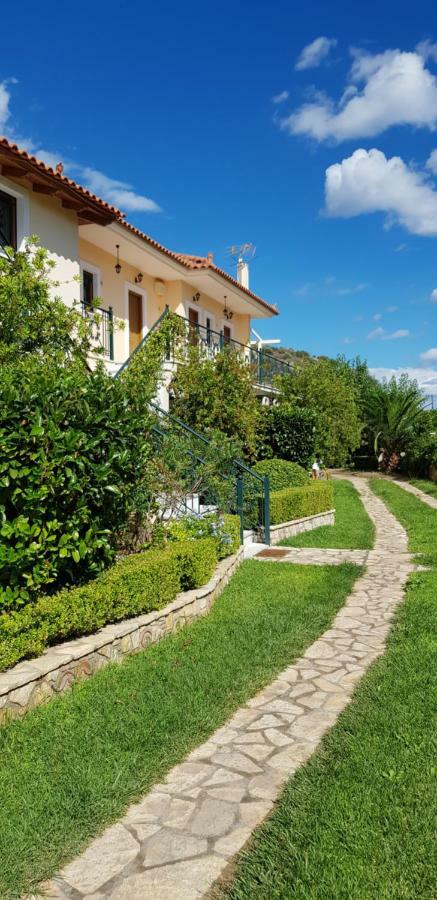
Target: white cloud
(377, 317)
(5, 99)
(433, 296)
(381, 334)
(427, 50)
(368, 182)
(400, 248)
(376, 333)
(354, 289)
(313, 54)
(431, 162)
(426, 377)
(385, 89)
(429, 355)
(280, 98)
(392, 309)
(118, 193)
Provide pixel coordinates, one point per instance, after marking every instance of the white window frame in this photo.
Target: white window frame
(130, 287)
(23, 215)
(95, 272)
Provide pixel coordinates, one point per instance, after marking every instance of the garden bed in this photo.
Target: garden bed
(31, 683)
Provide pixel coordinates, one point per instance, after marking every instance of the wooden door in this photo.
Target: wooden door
(193, 318)
(135, 320)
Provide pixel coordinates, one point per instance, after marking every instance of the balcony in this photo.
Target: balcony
(102, 328)
(264, 366)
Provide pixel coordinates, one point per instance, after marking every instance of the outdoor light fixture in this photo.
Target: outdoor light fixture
(196, 297)
(138, 278)
(228, 314)
(117, 266)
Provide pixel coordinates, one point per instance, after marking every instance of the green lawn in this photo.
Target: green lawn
(358, 821)
(429, 487)
(352, 528)
(71, 767)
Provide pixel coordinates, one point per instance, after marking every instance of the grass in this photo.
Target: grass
(426, 485)
(353, 529)
(71, 767)
(358, 821)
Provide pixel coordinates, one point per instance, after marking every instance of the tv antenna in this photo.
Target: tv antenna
(242, 252)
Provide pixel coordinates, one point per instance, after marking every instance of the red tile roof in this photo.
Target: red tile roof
(36, 166)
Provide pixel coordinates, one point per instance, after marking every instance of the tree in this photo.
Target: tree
(289, 433)
(217, 394)
(31, 319)
(328, 388)
(395, 416)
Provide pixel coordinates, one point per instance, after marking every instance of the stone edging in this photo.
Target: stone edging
(297, 526)
(33, 682)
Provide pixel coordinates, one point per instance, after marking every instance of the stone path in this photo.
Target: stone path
(315, 556)
(426, 498)
(176, 841)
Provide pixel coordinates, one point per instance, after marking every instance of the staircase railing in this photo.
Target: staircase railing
(102, 326)
(251, 500)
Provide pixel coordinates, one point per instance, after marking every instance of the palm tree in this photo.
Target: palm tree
(393, 411)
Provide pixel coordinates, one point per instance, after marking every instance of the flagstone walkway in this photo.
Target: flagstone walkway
(426, 498)
(176, 842)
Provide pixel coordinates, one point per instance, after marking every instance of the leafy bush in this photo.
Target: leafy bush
(298, 502)
(72, 448)
(224, 529)
(289, 433)
(137, 584)
(282, 473)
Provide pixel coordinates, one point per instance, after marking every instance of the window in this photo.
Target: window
(8, 221)
(227, 334)
(88, 287)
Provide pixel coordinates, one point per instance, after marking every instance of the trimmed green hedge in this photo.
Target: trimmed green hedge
(298, 502)
(138, 584)
(231, 528)
(282, 473)
(225, 529)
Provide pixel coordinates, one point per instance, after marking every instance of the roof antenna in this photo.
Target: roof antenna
(242, 254)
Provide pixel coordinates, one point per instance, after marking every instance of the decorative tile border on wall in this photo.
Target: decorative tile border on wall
(33, 682)
(290, 529)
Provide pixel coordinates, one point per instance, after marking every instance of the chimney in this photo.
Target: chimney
(243, 273)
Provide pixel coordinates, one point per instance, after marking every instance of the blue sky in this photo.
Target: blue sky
(223, 122)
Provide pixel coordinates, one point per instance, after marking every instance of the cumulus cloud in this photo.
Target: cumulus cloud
(280, 98)
(119, 193)
(433, 296)
(377, 317)
(426, 377)
(429, 355)
(384, 89)
(381, 334)
(313, 54)
(368, 182)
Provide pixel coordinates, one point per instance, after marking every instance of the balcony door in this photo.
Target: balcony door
(135, 320)
(193, 327)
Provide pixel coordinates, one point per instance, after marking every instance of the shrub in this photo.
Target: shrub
(72, 448)
(137, 584)
(282, 473)
(224, 529)
(298, 502)
(289, 434)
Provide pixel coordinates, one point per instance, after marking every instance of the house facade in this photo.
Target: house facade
(101, 259)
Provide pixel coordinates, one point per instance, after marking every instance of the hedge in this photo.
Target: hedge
(225, 529)
(282, 473)
(137, 584)
(298, 502)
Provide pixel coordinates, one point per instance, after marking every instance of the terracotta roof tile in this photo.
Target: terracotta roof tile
(39, 165)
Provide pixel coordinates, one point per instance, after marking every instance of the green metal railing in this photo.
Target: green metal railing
(264, 366)
(102, 327)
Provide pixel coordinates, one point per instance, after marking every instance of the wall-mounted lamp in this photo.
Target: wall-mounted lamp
(117, 266)
(138, 278)
(196, 297)
(228, 314)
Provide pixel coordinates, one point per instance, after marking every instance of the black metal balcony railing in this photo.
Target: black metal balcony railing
(265, 367)
(102, 329)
